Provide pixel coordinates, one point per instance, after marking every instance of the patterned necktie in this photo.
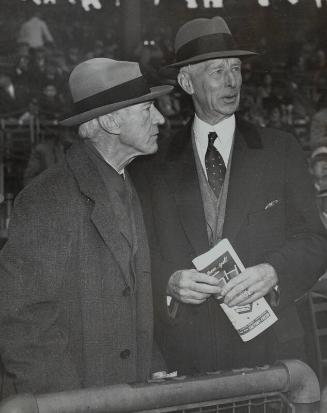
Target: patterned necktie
(215, 165)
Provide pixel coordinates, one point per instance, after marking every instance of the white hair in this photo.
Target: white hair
(188, 68)
(89, 129)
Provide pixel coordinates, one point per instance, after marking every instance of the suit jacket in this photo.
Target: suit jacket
(70, 315)
(270, 217)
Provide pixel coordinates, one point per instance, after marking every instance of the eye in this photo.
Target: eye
(216, 71)
(236, 68)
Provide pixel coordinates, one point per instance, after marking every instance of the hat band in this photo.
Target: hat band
(132, 89)
(217, 42)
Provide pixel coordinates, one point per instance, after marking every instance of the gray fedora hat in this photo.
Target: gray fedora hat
(100, 86)
(203, 39)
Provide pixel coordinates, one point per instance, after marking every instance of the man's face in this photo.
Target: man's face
(215, 88)
(139, 128)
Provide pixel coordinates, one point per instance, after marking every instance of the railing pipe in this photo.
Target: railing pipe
(293, 377)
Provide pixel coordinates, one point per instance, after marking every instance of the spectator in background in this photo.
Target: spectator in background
(51, 104)
(318, 127)
(73, 57)
(38, 66)
(32, 111)
(35, 32)
(43, 70)
(318, 169)
(265, 87)
(274, 115)
(21, 73)
(250, 108)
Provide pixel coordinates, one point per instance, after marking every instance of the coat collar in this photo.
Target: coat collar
(246, 133)
(93, 188)
(246, 168)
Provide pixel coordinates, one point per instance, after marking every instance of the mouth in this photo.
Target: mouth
(230, 98)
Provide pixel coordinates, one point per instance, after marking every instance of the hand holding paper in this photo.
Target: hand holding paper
(252, 315)
(191, 286)
(256, 281)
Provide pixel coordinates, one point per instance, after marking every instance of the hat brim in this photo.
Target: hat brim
(212, 55)
(79, 118)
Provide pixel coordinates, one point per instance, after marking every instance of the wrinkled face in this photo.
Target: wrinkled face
(215, 88)
(139, 128)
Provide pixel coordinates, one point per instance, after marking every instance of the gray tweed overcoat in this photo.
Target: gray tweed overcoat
(70, 314)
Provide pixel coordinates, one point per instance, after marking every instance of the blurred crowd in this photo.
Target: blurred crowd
(284, 86)
(284, 92)
(33, 78)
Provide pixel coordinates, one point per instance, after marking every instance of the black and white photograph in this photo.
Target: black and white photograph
(163, 206)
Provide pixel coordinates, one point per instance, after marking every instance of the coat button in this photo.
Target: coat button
(125, 354)
(127, 292)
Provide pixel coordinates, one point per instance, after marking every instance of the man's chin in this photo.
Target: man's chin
(230, 109)
(152, 149)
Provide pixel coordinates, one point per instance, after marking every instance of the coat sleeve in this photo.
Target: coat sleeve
(33, 339)
(303, 256)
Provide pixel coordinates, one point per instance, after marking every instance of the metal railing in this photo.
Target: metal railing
(289, 386)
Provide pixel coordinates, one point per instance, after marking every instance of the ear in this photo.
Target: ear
(110, 123)
(185, 82)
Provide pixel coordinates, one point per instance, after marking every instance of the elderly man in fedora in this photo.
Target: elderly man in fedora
(223, 178)
(76, 304)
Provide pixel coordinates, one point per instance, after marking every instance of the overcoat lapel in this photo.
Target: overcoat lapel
(123, 220)
(183, 180)
(246, 172)
(92, 186)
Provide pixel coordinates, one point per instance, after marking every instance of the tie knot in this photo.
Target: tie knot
(212, 136)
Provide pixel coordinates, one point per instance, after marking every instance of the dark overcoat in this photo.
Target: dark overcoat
(270, 217)
(71, 314)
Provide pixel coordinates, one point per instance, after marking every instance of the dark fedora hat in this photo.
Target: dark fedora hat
(100, 86)
(203, 39)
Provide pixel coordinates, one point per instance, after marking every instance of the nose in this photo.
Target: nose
(230, 79)
(157, 116)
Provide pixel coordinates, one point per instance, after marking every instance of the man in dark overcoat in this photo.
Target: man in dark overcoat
(75, 286)
(223, 178)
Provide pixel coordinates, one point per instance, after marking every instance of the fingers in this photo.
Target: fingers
(252, 284)
(244, 298)
(192, 287)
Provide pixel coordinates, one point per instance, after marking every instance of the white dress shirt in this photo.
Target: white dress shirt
(225, 131)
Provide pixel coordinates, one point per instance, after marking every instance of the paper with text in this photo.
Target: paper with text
(222, 262)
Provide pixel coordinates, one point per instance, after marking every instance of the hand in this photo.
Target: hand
(253, 283)
(191, 286)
